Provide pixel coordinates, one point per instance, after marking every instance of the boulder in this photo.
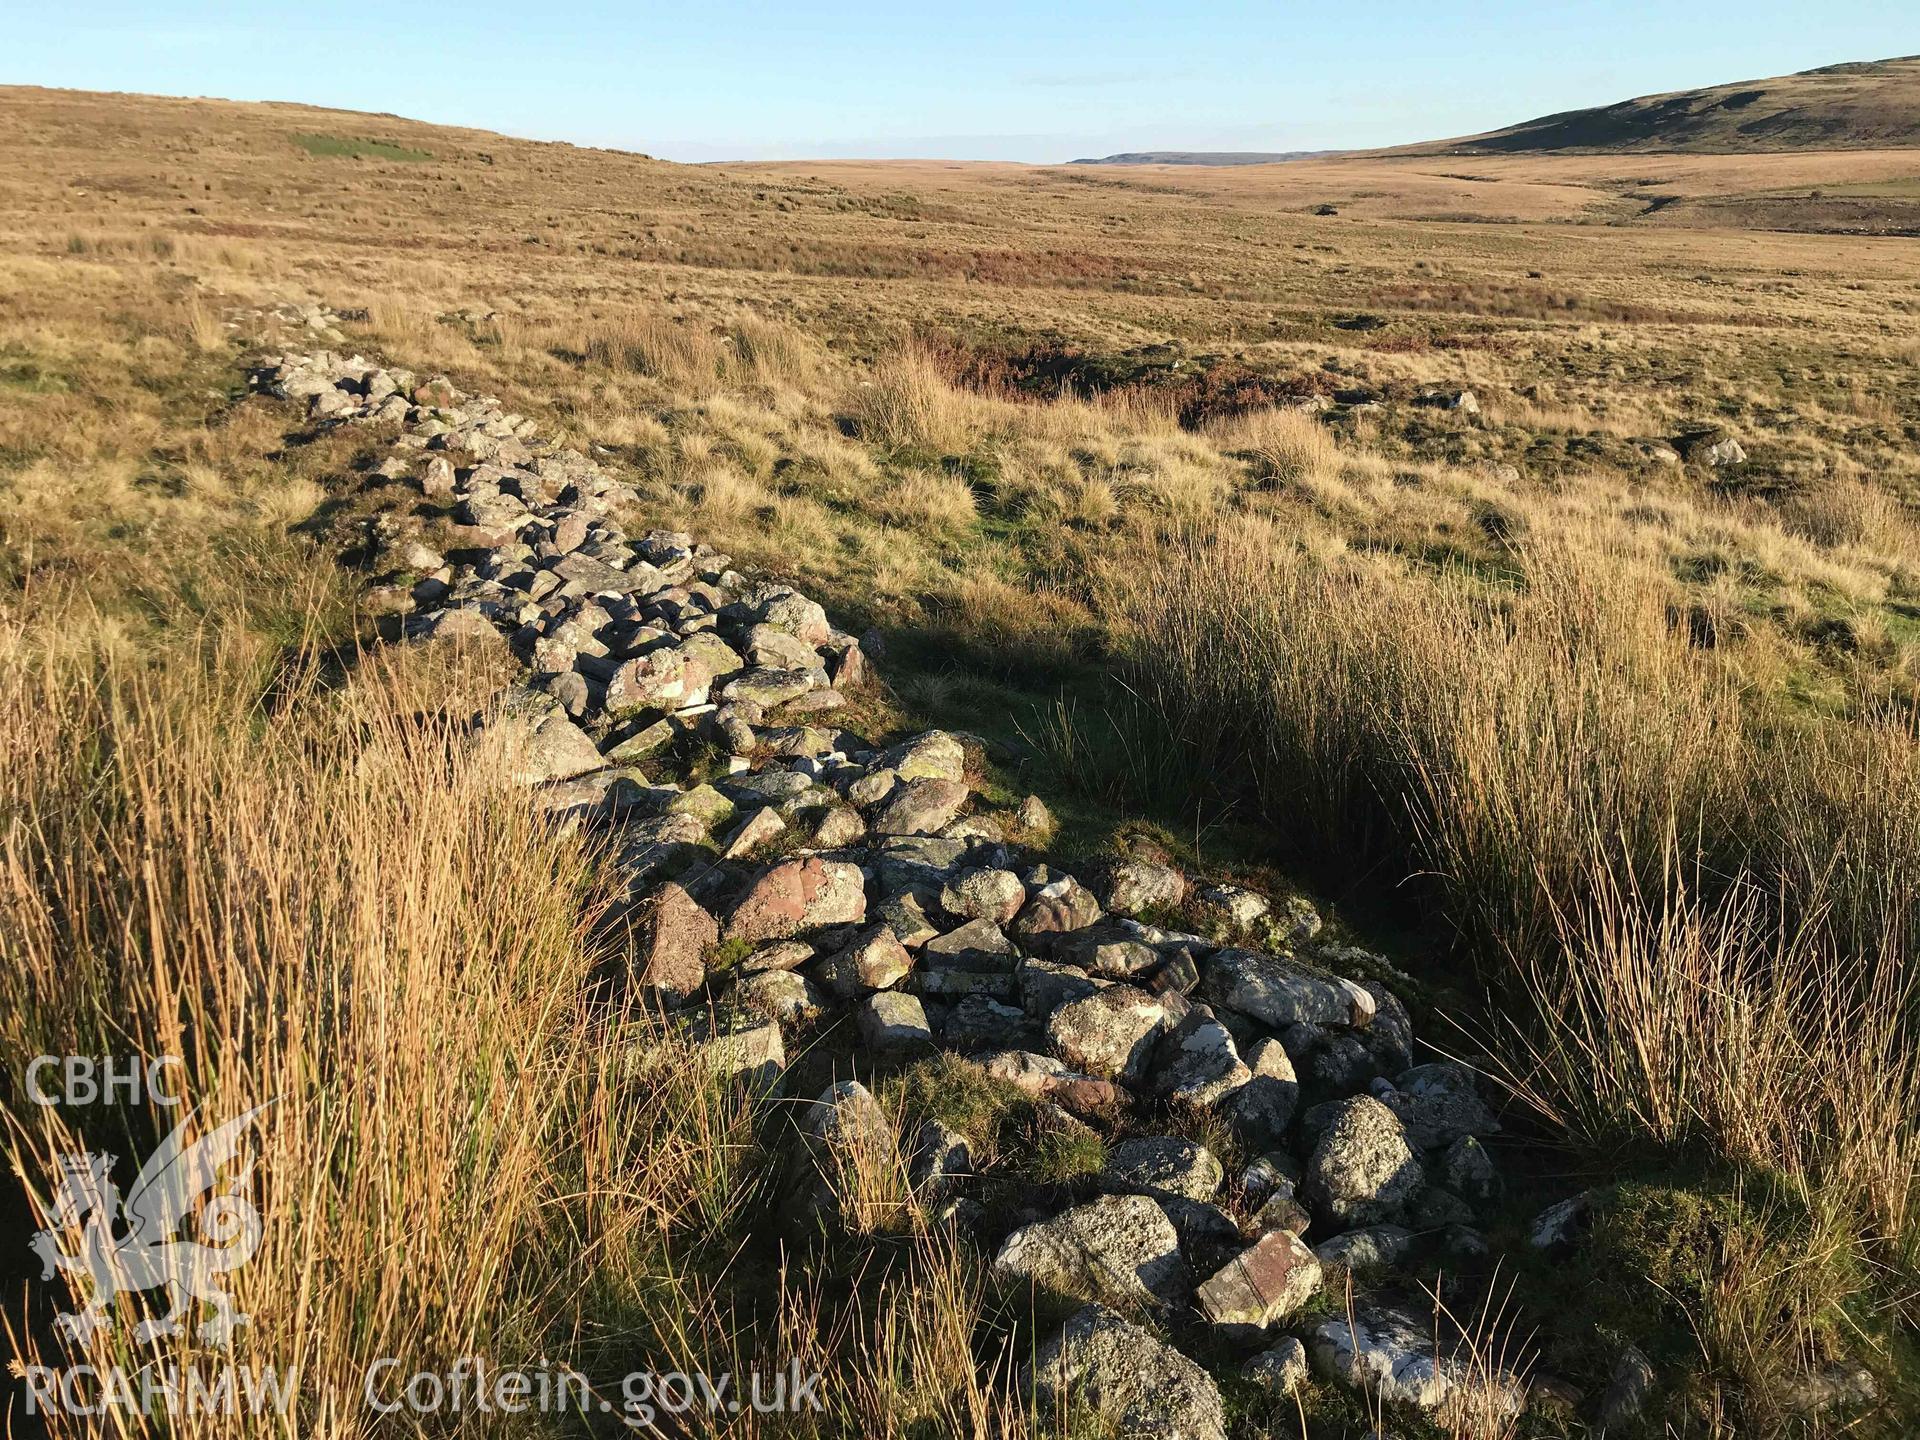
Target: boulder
(1198, 1062)
(671, 941)
(1264, 1284)
(1362, 1170)
(919, 807)
(780, 995)
(1262, 1108)
(662, 679)
(1438, 1104)
(873, 960)
(1110, 1033)
(893, 1025)
(1392, 1355)
(935, 755)
(1045, 1078)
(1137, 887)
(1132, 1383)
(1169, 1164)
(1118, 1250)
(995, 895)
(1281, 992)
(938, 1158)
(845, 1143)
(798, 895)
(1278, 1371)
(979, 1023)
(1059, 907)
(1373, 1247)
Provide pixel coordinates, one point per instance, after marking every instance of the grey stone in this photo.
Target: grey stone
(798, 895)
(1283, 992)
(979, 1022)
(1438, 1103)
(1278, 1371)
(893, 1025)
(1198, 1062)
(873, 960)
(1262, 1108)
(1118, 1250)
(1362, 1170)
(1132, 1384)
(781, 995)
(1164, 1163)
(919, 807)
(995, 895)
(1372, 1247)
(1136, 887)
(1110, 1033)
(1392, 1355)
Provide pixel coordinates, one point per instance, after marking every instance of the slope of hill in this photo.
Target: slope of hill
(1863, 106)
(1204, 157)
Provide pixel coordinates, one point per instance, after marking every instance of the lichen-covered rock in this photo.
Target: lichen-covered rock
(1439, 1103)
(994, 895)
(1110, 1033)
(798, 895)
(1363, 1170)
(1278, 1371)
(1118, 1250)
(663, 679)
(1372, 1247)
(780, 995)
(1046, 1078)
(1263, 1108)
(1391, 1354)
(1264, 1284)
(934, 755)
(844, 1141)
(1059, 907)
(1198, 1062)
(893, 1025)
(919, 807)
(939, 1158)
(979, 1023)
(874, 959)
(1466, 1169)
(1170, 1164)
(1132, 1384)
(1138, 887)
(533, 739)
(1283, 992)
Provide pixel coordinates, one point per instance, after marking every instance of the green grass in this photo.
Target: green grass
(350, 147)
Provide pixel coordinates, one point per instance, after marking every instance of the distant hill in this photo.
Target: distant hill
(1205, 157)
(1868, 105)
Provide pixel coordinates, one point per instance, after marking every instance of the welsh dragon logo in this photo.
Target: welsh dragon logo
(151, 1255)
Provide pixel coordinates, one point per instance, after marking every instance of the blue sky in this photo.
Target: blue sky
(1041, 82)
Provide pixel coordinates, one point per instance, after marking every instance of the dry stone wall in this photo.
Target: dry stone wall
(836, 874)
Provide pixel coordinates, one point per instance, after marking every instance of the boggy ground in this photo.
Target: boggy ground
(1615, 734)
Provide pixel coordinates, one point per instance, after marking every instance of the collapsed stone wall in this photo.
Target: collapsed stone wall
(815, 872)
